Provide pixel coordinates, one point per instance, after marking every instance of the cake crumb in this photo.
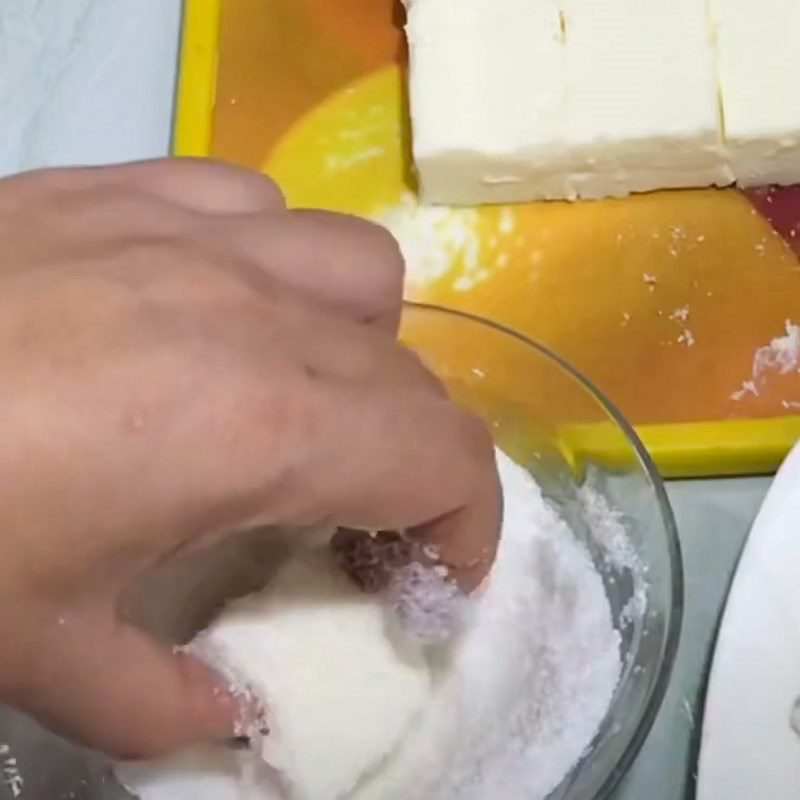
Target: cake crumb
(747, 388)
(680, 314)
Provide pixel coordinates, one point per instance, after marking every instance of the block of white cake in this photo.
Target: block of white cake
(757, 46)
(516, 100)
(488, 98)
(641, 104)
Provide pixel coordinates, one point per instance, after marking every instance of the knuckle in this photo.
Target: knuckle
(384, 261)
(477, 442)
(269, 188)
(382, 274)
(419, 372)
(254, 184)
(389, 271)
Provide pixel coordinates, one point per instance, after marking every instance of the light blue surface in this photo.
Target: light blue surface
(713, 518)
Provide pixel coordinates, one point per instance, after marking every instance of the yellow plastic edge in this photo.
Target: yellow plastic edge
(735, 447)
(197, 79)
(691, 450)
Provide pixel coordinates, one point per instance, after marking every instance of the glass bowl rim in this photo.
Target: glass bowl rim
(655, 698)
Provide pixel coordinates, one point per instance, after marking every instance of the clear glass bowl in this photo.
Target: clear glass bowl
(552, 421)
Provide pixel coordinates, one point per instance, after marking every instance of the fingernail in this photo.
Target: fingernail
(225, 711)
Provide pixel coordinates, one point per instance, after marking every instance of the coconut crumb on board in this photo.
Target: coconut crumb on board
(781, 356)
(434, 240)
(9, 767)
(747, 388)
(437, 241)
(680, 314)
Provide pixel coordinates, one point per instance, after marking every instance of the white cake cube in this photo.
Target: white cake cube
(488, 99)
(519, 100)
(642, 109)
(758, 64)
(516, 100)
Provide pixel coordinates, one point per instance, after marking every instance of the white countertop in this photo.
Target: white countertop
(85, 81)
(91, 81)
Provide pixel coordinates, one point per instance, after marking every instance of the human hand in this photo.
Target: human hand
(181, 357)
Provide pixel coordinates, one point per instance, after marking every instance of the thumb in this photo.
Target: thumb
(113, 688)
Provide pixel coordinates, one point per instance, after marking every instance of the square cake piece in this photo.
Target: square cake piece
(517, 100)
(642, 108)
(758, 65)
(488, 99)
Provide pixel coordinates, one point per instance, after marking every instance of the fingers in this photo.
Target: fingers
(395, 460)
(201, 185)
(346, 263)
(112, 688)
(209, 187)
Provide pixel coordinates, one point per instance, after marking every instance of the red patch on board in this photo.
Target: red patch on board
(780, 206)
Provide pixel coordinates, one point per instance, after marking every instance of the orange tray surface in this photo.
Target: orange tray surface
(682, 306)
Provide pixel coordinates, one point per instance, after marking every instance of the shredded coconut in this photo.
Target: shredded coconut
(608, 530)
(439, 242)
(9, 766)
(429, 608)
(433, 239)
(680, 314)
(517, 697)
(747, 388)
(781, 356)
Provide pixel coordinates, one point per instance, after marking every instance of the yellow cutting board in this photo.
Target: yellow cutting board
(669, 302)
